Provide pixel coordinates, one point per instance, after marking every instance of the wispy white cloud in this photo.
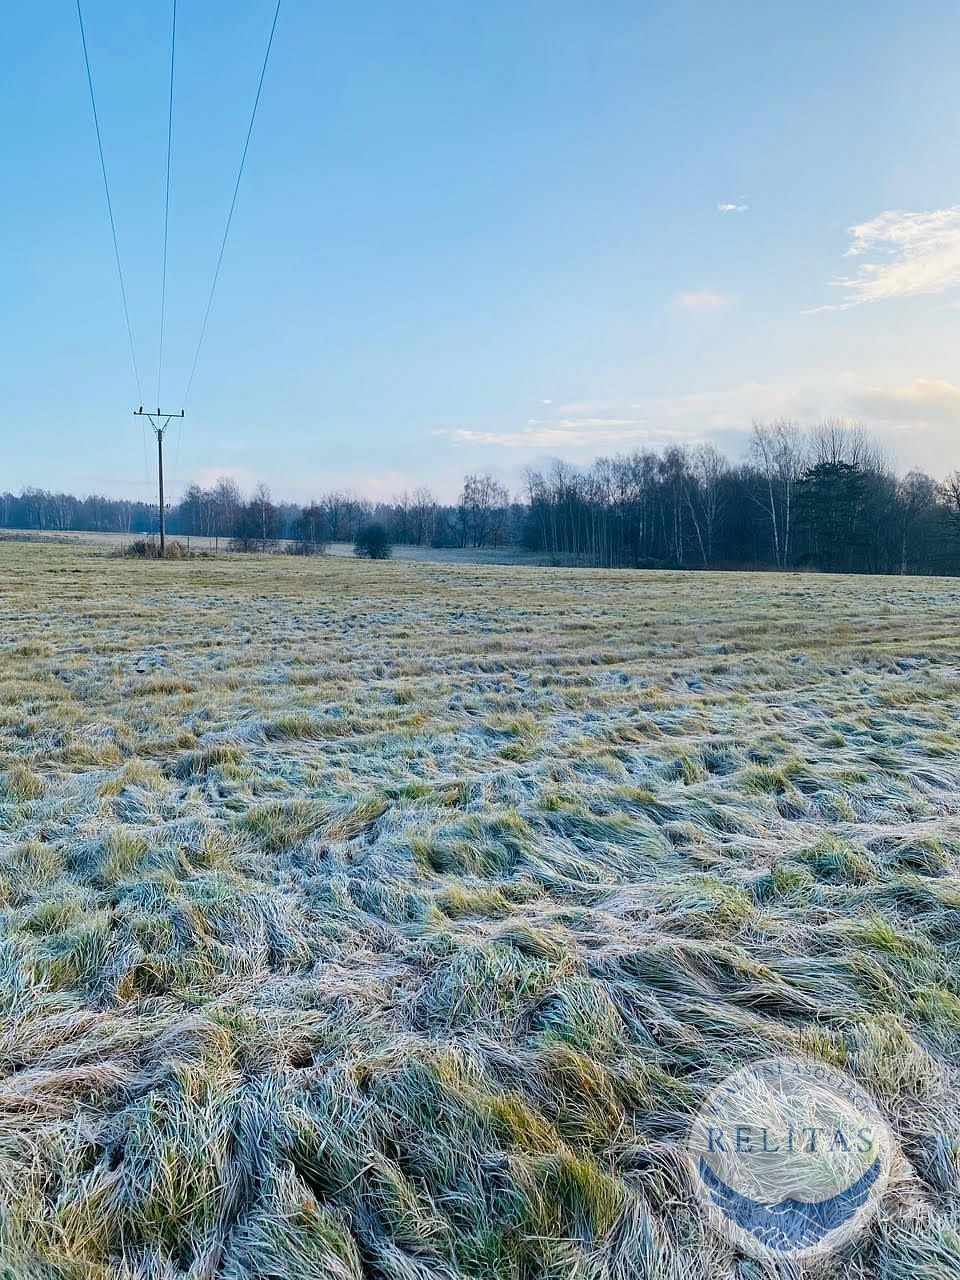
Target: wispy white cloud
(565, 433)
(729, 207)
(702, 300)
(903, 254)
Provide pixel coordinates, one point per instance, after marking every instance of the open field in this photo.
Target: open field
(507, 555)
(389, 921)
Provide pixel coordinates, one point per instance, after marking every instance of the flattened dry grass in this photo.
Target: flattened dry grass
(390, 921)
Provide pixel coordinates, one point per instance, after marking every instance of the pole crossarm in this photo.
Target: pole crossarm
(154, 416)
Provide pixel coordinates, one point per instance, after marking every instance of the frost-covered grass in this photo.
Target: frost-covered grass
(390, 920)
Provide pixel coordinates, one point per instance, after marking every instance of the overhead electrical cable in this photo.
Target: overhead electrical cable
(166, 202)
(106, 188)
(233, 205)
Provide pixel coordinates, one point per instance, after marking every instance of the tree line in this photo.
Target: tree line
(484, 516)
(825, 499)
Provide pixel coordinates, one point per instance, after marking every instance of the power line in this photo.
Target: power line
(233, 205)
(166, 206)
(106, 188)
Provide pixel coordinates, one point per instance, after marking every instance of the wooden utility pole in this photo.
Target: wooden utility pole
(159, 421)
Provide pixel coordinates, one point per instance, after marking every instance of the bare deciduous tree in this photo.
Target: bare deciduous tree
(482, 502)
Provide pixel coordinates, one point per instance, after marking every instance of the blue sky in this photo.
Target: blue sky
(478, 236)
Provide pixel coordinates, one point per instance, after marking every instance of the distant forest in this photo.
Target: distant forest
(824, 499)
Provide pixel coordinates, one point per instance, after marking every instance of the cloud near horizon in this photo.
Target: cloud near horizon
(209, 477)
(918, 420)
(729, 207)
(925, 402)
(904, 254)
